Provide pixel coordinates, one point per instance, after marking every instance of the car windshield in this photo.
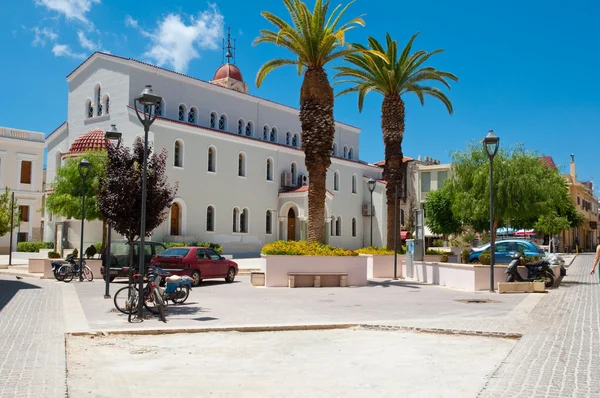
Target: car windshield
(175, 252)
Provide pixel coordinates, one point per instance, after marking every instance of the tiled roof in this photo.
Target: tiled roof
(548, 161)
(404, 159)
(228, 70)
(92, 140)
(303, 188)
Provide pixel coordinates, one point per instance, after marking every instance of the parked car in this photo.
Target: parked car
(505, 248)
(197, 262)
(119, 253)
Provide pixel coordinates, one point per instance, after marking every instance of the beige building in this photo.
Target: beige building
(21, 170)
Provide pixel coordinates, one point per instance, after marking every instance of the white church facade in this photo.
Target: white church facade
(237, 158)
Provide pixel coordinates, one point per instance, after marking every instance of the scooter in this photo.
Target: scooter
(535, 271)
(70, 259)
(177, 288)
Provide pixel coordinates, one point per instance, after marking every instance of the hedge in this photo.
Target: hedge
(382, 251)
(215, 246)
(304, 248)
(34, 247)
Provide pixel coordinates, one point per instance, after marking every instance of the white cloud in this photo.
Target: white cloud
(71, 9)
(63, 50)
(176, 43)
(130, 22)
(42, 36)
(86, 43)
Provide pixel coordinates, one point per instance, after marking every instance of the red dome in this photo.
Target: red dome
(92, 140)
(228, 70)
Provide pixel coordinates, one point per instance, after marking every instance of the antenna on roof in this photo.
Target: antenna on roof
(227, 50)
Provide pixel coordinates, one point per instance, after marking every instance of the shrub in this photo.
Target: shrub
(75, 252)
(465, 254)
(169, 245)
(53, 255)
(438, 243)
(444, 258)
(484, 258)
(304, 248)
(90, 251)
(34, 247)
(98, 246)
(432, 252)
(215, 246)
(375, 250)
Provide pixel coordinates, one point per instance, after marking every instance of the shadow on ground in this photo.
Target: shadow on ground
(392, 283)
(9, 289)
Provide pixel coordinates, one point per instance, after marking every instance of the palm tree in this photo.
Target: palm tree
(393, 76)
(314, 40)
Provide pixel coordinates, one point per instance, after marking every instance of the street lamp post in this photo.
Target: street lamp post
(84, 170)
(109, 136)
(491, 143)
(371, 189)
(396, 232)
(12, 226)
(147, 99)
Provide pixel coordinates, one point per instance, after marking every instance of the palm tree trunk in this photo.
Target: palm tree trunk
(318, 129)
(392, 126)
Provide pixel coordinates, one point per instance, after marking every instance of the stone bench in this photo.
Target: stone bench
(342, 277)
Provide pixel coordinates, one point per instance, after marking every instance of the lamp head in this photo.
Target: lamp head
(113, 134)
(147, 97)
(371, 183)
(491, 143)
(84, 167)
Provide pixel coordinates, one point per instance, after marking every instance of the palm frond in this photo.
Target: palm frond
(270, 66)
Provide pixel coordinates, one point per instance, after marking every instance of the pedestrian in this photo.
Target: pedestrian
(596, 259)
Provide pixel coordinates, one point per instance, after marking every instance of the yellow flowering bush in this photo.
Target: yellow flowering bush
(304, 248)
(382, 251)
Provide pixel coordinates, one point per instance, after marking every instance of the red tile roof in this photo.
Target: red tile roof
(404, 159)
(548, 161)
(228, 70)
(303, 188)
(90, 141)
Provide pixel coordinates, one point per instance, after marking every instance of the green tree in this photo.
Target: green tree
(552, 224)
(314, 39)
(392, 76)
(440, 218)
(5, 213)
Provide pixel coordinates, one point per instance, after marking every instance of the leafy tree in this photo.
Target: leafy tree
(314, 39)
(5, 213)
(440, 218)
(393, 75)
(552, 224)
(120, 193)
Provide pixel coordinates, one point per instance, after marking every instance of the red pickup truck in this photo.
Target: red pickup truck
(197, 262)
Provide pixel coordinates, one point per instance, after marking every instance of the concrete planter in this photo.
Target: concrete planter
(431, 257)
(278, 267)
(382, 266)
(257, 278)
(95, 267)
(36, 265)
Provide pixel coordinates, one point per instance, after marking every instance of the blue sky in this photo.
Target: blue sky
(522, 64)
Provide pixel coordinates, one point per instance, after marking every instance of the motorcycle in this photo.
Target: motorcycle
(537, 270)
(177, 288)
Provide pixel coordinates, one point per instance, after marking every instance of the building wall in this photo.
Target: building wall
(436, 173)
(17, 146)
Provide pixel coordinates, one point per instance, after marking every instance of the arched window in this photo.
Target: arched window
(244, 221)
(351, 153)
(212, 159)
(354, 227)
(240, 127)
(192, 116)
(241, 164)
(288, 136)
(175, 219)
(345, 152)
(223, 122)
(158, 108)
(269, 223)
(295, 141)
(249, 129)
(89, 109)
(273, 136)
(213, 120)
(265, 132)
(336, 181)
(210, 219)
(98, 101)
(182, 113)
(338, 226)
(178, 154)
(269, 169)
(294, 170)
(334, 149)
(236, 214)
(106, 104)
(353, 183)
(332, 226)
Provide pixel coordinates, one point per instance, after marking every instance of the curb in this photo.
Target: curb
(506, 335)
(23, 275)
(243, 329)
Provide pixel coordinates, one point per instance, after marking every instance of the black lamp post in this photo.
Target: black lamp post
(147, 99)
(491, 143)
(109, 136)
(84, 170)
(371, 189)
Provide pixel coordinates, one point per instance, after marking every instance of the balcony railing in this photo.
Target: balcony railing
(21, 134)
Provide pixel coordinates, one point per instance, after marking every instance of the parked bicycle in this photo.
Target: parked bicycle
(70, 259)
(69, 270)
(126, 299)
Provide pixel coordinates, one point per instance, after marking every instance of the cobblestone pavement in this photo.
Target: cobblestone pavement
(32, 344)
(559, 354)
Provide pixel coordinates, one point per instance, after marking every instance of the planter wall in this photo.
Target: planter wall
(277, 268)
(382, 266)
(36, 265)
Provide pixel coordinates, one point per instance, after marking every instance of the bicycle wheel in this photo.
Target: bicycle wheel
(150, 301)
(67, 273)
(161, 307)
(121, 299)
(132, 304)
(183, 292)
(87, 273)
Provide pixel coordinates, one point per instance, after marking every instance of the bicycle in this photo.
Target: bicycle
(68, 271)
(126, 298)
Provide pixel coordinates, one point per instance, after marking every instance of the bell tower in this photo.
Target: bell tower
(229, 75)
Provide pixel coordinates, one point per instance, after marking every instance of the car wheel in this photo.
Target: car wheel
(230, 275)
(196, 279)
